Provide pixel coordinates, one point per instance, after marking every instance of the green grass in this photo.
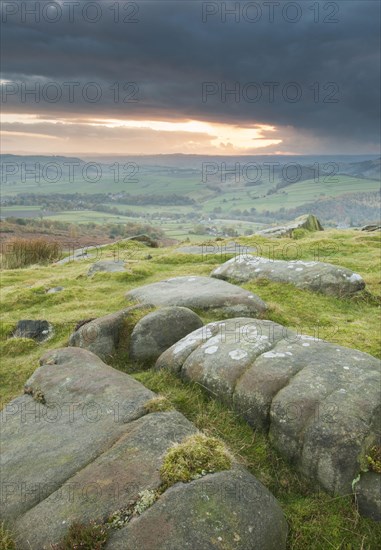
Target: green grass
(317, 521)
(6, 538)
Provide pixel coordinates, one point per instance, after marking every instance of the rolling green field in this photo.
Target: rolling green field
(221, 205)
(289, 197)
(215, 208)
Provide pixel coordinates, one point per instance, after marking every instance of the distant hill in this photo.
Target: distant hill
(180, 191)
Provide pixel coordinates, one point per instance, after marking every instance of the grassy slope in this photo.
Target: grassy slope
(233, 196)
(299, 193)
(317, 521)
(236, 195)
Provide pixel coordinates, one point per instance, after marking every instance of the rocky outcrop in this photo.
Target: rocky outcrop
(110, 482)
(307, 221)
(199, 293)
(308, 275)
(80, 446)
(319, 402)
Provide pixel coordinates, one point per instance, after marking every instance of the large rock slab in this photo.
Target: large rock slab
(75, 407)
(109, 483)
(320, 402)
(79, 446)
(307, 221)
(78, 254)
(308, 275)
(107, 266)
(224, 250)
(371, 227)
(102, 335)
(229, 509)
(200, 293)
(159, 330)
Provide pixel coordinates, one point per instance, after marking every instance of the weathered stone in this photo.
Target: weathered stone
(36, 330)
(200, 293)
(159, 330)
(229, 509)
(79, 447)
(326, 414)
(75, 407)
(223, 250)
(101, 336)
(309, 275)
(108, 484)
(78, 255)
(372, 227)
(228, 354)
(368, 495)
(55, 290)
(307, 221)
(108, 266)
(92, 252)
(319, 401)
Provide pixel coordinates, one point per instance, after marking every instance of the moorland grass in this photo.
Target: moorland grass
(24, 252)
(317, 521)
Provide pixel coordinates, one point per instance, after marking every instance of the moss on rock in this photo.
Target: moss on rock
(196, 456)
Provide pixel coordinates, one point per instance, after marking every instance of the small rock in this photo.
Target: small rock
(55, 289)
(36, 330)
(368, 495)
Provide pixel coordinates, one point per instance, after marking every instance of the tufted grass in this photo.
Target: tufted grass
(6, 538)
(24, 252)
(90, 536)
(195, 456)
(317, 521)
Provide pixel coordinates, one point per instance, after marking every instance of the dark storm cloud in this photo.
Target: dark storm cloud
(170, 52)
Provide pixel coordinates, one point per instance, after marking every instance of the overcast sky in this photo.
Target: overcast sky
(154, 77)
